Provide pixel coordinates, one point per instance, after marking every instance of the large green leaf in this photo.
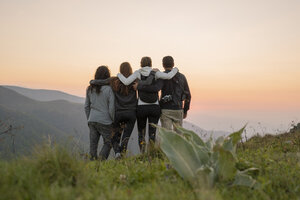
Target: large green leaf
(207, 174)
(228, 145)
(193, 135)
(211, 161)
(210, 144)
(225, 166)
(231, 141)
(244, 179)
(236, 136)
(180, 152)
(220, 140)
(201, 152)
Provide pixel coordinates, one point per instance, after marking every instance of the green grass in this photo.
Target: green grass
(54, 173)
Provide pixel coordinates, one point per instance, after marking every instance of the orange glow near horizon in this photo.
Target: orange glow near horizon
(236, 55)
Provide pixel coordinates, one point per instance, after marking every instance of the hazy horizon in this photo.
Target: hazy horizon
(241, 58)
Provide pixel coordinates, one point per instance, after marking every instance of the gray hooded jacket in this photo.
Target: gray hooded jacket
(100, 107)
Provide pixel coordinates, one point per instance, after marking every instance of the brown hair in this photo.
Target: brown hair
(102, 72)
(146, 61)
(168, 62)
(117, 85)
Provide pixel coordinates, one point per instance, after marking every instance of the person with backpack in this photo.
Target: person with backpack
(174, 92)
(148, 105)
(100, 110)
(125, 105)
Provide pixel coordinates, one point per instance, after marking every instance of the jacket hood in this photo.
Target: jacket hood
(145, 71)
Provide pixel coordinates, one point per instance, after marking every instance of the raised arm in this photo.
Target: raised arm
(129, 79)
(169, 75)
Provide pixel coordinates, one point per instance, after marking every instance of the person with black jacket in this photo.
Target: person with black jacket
(174, 92)
(125, 109)
(148, 105)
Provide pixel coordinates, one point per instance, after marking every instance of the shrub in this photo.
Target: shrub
(209, 161)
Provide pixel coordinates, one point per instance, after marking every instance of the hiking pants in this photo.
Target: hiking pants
(96, 130)
(168, 117)
(152, 113)
(128, 117)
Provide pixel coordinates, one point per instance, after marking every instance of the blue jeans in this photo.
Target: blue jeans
(96, 130)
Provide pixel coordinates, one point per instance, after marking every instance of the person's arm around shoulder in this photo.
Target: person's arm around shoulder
(101, 81)
(129, 79)
(87, 104)
(169, 75)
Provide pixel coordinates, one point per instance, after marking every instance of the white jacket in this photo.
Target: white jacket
(145, 71)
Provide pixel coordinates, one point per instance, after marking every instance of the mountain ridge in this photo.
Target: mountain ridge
(45, 94)
(61, 118)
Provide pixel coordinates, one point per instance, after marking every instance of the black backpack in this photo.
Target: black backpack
(148, 97)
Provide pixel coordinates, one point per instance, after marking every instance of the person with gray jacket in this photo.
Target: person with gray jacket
(100, 109)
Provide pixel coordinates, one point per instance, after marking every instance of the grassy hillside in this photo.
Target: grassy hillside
(54, 173)
(30, 132)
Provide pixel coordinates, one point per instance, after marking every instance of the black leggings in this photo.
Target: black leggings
(152, 113)
(127, 117)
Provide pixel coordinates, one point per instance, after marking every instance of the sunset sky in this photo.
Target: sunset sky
(241, 58)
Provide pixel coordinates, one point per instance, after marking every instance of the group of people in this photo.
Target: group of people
(113, 104)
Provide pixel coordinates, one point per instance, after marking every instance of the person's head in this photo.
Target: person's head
(102, 72)
(117, 85)
(146, 62)
(125, 69)
(168, 62)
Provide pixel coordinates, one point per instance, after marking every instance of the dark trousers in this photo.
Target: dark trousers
(96, 130)
(152, 113)
(127, 119)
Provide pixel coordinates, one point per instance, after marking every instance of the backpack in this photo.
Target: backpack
(148, 97)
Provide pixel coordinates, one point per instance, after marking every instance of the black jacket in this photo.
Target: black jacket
(177, 87)
(125, 102)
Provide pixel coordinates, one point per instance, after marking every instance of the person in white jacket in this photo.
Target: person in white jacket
(145, 71)
(148, 105)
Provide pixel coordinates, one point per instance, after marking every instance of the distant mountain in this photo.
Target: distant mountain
(60, 119)
(204, 134)
(45, 95)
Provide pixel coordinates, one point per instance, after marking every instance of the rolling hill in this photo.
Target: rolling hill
(59, 119)
(45, 95)
(46, 113)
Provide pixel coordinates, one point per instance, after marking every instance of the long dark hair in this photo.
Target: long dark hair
(117, 85)
(102, 72)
